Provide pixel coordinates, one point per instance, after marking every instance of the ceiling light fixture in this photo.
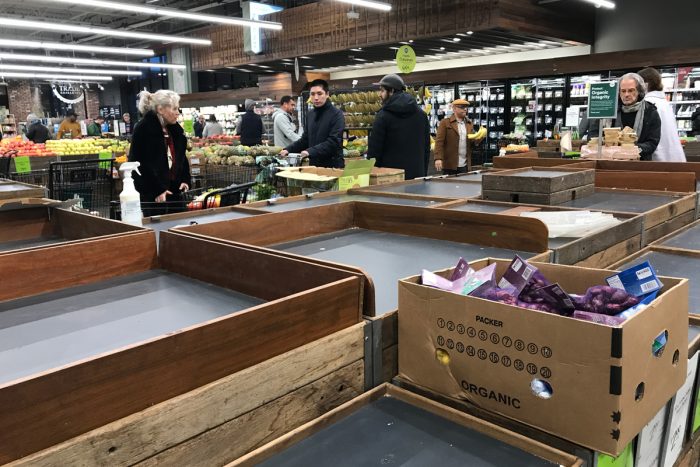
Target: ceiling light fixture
(442, 48)
(602, 3)
(74, 47)
(456, 39)
(173, 13)
(383, 6)
(54, 77)
(86, 61)
(470, 33)
(49, 69)
(410, 41)
(75, 29)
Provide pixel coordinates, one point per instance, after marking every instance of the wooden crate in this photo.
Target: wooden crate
(680, 182)
(385, 176)
(485, 231)
(547, 199)
(538, 179)
(522, 162)
(598, 250)
(306, 302)
(40, 225)
(400, 400)
(253, 407)
(16, 190)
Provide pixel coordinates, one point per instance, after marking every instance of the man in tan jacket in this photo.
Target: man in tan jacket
(453, 151)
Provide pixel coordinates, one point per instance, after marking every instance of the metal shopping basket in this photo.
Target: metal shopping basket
(89, 181)
(222, 176)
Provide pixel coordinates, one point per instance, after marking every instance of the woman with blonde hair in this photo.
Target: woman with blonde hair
(160, 145)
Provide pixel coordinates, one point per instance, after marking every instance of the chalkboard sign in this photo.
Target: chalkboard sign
(111, 112)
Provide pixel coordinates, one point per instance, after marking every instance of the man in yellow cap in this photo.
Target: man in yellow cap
(453, 152)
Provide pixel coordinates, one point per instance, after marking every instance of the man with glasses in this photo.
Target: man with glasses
(453, 152)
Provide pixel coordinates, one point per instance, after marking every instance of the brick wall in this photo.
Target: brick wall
(19, 94)
(93, 103)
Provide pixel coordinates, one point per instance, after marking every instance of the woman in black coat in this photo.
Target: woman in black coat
(160, 145)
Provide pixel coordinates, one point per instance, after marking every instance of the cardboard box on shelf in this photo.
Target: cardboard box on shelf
(603, 384)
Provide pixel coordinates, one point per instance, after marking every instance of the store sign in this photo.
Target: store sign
(252, 37)
(68, 93)
(406, 59)
(602, 100)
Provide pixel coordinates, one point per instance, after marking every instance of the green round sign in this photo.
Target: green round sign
(405, 59)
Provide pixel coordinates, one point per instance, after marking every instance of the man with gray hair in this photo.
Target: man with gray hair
(250, 125)
(636, 113)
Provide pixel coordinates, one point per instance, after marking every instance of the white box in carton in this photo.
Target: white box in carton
(679, 416)
(606, 382)
(650, 441)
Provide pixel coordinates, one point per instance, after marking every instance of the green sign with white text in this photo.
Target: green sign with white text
(602, 100)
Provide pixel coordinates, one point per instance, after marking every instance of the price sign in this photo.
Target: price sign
(105, 155)
(22, 165)
(406, 59)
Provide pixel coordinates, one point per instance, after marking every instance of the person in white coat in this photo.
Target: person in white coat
(669, 148)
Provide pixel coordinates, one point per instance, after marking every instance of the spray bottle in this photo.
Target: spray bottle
(129, 197)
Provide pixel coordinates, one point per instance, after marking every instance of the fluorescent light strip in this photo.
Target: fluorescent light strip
(173, 13)
(75, 29)
(602, 3)
(53, 77)
(50, 69)
(369, 4)
(86, 61)
(74, 47)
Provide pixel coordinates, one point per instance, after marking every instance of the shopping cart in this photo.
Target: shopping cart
(222, 176)
(269, 185)
(89, 181)
(192, 200)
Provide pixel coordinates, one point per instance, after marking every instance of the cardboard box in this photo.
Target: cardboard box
(650, 442)
(606, 382)
(678, 416)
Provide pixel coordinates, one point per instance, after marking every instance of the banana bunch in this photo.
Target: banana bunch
(481, 134)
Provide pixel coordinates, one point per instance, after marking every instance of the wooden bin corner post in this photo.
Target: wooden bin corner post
(227, 418)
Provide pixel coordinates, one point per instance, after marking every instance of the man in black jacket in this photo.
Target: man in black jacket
(638, 114)
(250, 125)
(322, 141)
(400, 136)
(695, 119)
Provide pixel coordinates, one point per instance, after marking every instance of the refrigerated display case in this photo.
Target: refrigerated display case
(487, 99)
(682, 87)
(523, 107)
(550, 110)
(438, 104)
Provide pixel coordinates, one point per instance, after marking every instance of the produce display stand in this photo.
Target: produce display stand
(41, 225)
(596, 250)
(10, 189)
(188, 316)
(321, 199)
(200, 216)
(685, 239)
(663, 212)
(540, 185)
(444, 188)
(382, 242)
(43, 162)
(391, 425)
(680, 182)
(251, 406)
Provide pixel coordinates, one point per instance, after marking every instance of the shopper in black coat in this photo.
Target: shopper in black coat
(250, 125)
(160, 145)
(322, 141)
(400, 136)
(636, 113)
(695, 119)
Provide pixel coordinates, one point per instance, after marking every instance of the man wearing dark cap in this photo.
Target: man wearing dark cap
(400, 136)
(70, 128)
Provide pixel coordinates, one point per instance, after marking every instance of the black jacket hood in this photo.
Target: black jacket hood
(401, 104)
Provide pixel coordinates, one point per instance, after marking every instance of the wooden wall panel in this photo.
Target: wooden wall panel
(324, 27)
